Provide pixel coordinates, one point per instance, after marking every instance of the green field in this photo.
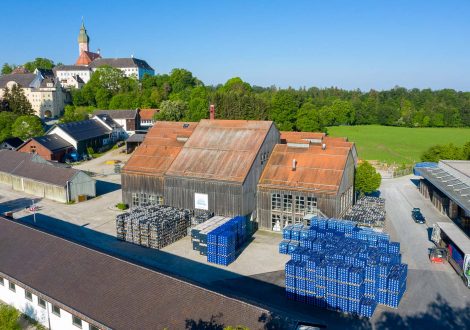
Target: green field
(398, 144)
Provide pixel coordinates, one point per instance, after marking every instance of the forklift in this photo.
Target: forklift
(438, 255)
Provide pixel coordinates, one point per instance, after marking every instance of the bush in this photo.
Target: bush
(122, 206)
(367, 179)
(9, 318)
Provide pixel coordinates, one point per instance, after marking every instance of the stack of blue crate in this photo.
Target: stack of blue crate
(224, 240)
(338, 266)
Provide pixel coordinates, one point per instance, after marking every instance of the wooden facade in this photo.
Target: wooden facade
(225, 198)
(140, 186)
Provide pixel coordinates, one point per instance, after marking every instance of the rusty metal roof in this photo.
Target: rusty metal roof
(301, 137)
(221, 150)
(316, 169)
(147, 114)
(161, 145)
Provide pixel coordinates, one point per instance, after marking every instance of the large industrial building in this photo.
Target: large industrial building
(448, 188)
(235, 167)
(32, 174)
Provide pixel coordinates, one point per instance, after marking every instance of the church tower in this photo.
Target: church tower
(83, 40)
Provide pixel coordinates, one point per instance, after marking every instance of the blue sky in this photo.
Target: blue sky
(350, 44)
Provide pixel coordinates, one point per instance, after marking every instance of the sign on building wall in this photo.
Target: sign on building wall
(201, 201)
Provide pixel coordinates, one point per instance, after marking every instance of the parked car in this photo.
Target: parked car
(417, 216)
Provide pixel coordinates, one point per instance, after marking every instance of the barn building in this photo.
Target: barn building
(142, 178)
(308, 174)
(49, 147)
(34, 175)
(219, 166)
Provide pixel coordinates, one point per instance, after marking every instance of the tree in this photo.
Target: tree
(6, 121)
(181, 79)
(367, 180)
(73, 113)
(9, 317)
(17, 101)
(172, 110)
(8, 68)
(39, 63)
(26, 127)
(237, 85)
(308, 118)
(442, 151)
(283, 109)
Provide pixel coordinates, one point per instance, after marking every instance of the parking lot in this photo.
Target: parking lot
(257, 275)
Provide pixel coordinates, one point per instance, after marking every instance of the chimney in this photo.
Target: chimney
(212, 112)
(294, 164)
(323, 146)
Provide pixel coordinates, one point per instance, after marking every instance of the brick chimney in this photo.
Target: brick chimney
(212, 112)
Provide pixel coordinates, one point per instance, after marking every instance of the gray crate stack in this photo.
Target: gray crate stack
(199, 233)
(368, 211)
(154, 226)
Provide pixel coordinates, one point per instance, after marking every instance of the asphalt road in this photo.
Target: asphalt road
(426, 281)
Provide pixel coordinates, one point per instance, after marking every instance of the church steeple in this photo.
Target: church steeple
(83, 39)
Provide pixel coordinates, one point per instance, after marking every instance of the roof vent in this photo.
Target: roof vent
(294, 164)
(323, 146)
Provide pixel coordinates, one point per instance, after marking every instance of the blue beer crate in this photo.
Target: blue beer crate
(301, 295)
(212, 257)
(393, 299)
(343, 304)
(290, 267)
(320, 290)
(356, 291)
(367, 307)
(356, 275)
(381, 283)
(332, 270)
(331, 302)
(370, 272)
(292, 246)
(300, 269)
(290, 295)
(310, 275)
(284, 246)
(394, 247)
(370, 288)
(383, 269)
(381, 297)
(343, 273)
(354, 306)
(286, 232)
(290, 281)
(305, 232)
(342, 289)
(310, 285)
(331, 287)
(300, 283)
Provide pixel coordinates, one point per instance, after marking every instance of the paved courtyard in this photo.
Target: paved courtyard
(257, 275)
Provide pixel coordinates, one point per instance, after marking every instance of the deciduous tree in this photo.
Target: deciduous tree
(367, 180)
(26, 127)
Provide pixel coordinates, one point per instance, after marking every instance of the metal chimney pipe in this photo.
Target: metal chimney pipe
(294, 164)
(212, 112)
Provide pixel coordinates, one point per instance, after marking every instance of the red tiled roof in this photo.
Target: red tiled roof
(86, 58)
(147, 114)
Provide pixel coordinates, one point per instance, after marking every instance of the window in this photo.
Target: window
(311, 204)
(2, 281)
(135, 199)
(12, 287)
(159, 200)
(276, 202)
(76, 322)
(92, 327)
(56, 310)
(298, 220)
(144, 199)
(41, 302)
(276, 222)
(287, 203)
(287, 220)
(28, 295)
(299, 204)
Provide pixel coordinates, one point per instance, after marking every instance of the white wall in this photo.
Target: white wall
(57, 130)
(32, 309)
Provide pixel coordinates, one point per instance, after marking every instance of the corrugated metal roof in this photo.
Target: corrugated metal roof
(52, 142)
(25, 165)
(118, 114)
(160, 147)
(299, 137)
(221, 150)
(111, 291)
(316, 169)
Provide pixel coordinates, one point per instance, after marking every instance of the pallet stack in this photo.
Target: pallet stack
(338, 266)
(368, 211)
(219, 238)
(154, 226)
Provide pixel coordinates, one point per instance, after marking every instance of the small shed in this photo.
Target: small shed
(34, 175)
(134, 141)
(49, 147)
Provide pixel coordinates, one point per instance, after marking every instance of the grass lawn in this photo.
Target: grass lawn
(398, 144)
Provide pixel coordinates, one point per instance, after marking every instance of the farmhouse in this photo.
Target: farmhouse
(143, 176)
(34, 175)
(49, 147)
(68, 286)
(129, 120)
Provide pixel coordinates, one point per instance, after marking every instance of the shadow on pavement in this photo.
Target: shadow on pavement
(264, 290)
(105, 187)
(438, 315)
(415, 182)
(17, 204)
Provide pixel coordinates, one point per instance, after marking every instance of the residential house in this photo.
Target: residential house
(49, 147)
(11, 144)
(129, 120)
